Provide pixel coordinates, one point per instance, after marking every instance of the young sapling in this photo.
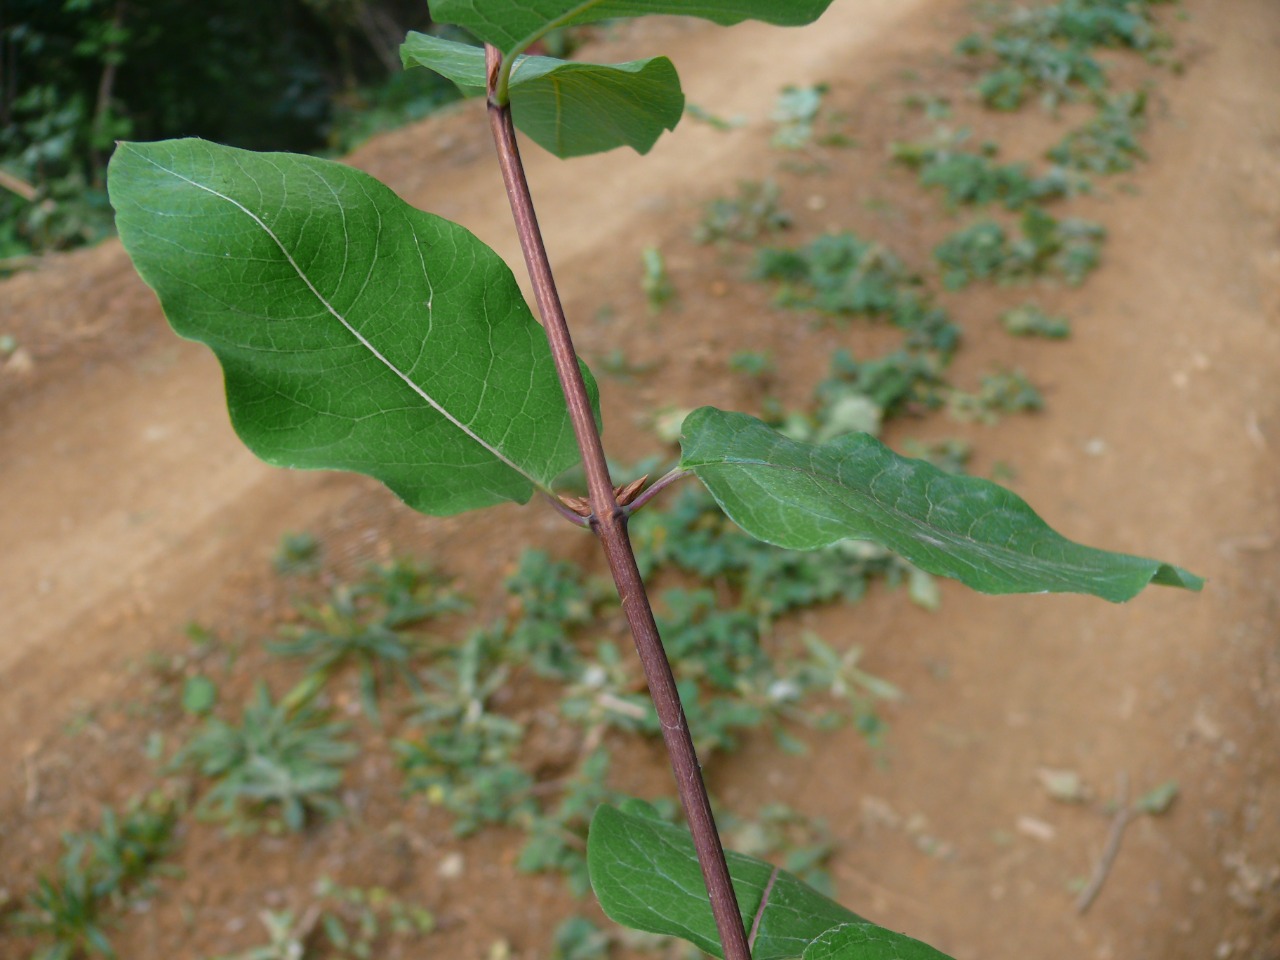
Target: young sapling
(358, 333)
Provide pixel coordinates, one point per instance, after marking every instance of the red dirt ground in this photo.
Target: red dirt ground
(128, 509)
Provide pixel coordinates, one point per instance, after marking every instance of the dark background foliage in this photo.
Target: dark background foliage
(76, 75)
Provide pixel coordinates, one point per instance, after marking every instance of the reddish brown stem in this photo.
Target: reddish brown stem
(609, 521)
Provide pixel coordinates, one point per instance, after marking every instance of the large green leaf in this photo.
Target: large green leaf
(646, 876)
(866, 941)
(802, 496)
(354, 331)
(570, 109)
(511, 25)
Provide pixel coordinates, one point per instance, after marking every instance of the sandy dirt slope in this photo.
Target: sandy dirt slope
(127, 507)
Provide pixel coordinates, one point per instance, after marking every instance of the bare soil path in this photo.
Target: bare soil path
(128, 508)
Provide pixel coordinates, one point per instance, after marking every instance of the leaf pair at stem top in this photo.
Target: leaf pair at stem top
(569, 108)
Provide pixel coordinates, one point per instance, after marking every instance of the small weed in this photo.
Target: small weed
(580, 939)
(843, 275)
(98, 869)
(63, 909)
(297, 553)
(838, 273)
(617, 364)
(200, 636)
(84, 718)
(282, 755)
(557, 838)
(707, 643)
(362, 624)
(406, 592)
(286, 940)
(1068, 248)
(1046, 49)
(1089, 23)
(607, 694)
(1158, 800)
(690, 538)
(729, 683)
(1000, 393)
(838, 674)
(975, 179)
(703, 115)
(199, 695)
(979, 251)
(795, 114)
(755, 364)
(659, 291)
(121, 855)
(1029, 65)
(551, 598)
(463, 759)
(881, 206)
(1029, 320)
(896, 383)
(356, 920)
(933, 106)
(752, 214)
(1109, 142)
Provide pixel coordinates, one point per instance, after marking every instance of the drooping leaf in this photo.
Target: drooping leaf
(803, 496)
(866, 941)
(570, 109)
(645, 874)
(514, 24)
(354, 331)
(574, 109)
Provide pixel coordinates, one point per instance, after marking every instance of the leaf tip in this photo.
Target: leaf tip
(1167, 575)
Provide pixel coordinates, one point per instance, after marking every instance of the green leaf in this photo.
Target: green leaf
(199, 695)
(570, 109)
(802, 497)
(463, 63)
(866, 941)
(1159, 799)
(511, 25)
(645, 874)
(573, 109)
(354, 331)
